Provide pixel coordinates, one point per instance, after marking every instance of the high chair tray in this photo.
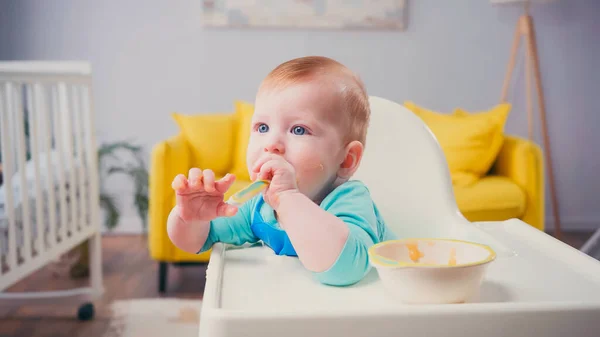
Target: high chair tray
(546, 289)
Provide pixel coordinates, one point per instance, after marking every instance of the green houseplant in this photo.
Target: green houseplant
(111, 161)
(124, 158)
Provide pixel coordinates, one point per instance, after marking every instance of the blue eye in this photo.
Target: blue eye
(298, 130)
(262, 128)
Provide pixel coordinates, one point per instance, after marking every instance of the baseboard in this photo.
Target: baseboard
(575, 223)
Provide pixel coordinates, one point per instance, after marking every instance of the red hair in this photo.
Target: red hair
(354, 98)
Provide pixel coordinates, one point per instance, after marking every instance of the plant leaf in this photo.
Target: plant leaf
(109, 204)
(141, 203)
(137, 171)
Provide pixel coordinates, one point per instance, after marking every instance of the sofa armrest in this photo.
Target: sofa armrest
(522, 161)
(168, 158)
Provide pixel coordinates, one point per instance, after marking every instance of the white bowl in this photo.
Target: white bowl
(431, 271)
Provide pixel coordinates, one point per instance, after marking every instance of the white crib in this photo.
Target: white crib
(49, 199)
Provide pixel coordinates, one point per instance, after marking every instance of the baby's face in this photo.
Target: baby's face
(302, 123)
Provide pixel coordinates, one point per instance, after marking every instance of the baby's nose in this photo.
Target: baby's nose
(275, 147)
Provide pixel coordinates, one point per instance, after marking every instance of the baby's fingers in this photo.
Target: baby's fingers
(225, 183)
(225, 209)
(179, 182)
(209, 180)
(259, 163)
(195, 178)
(267, 171)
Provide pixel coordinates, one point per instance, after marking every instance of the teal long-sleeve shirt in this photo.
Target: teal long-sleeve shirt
(350, 202)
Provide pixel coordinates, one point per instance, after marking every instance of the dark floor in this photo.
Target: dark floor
(128, 273)
(575, 239)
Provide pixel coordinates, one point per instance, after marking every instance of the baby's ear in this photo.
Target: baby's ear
(351, 160)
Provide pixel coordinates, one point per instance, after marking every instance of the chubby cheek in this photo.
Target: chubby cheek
(311, 172)
(253, 153)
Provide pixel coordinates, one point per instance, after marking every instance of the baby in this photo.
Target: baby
(308, 136)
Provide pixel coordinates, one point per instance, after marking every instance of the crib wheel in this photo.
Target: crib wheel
(85, 312)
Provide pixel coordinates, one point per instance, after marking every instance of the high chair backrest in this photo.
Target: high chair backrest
(406, 171)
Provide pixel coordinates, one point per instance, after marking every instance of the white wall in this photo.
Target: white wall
(153, 57)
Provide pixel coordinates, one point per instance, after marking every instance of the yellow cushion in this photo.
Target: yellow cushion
(492, 198)
(470, 141)
(211, 137)
(243, 115)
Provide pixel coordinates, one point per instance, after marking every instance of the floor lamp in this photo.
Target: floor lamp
(525, 31)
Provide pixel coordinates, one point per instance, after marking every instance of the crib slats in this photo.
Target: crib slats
(89, 201)
(79, 131)
(46, 125)
(19, 127)
(58, 103)
(3, 239)
(69, 149)
(91, 157)
(33, 106)
(49, 200)
(7, 171)
(94, 195)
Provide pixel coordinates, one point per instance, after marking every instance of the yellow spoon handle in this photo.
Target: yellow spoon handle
(249, 192)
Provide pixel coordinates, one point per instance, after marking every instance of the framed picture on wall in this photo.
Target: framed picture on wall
(320, 14)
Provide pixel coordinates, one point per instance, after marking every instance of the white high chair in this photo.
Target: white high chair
(536, 286)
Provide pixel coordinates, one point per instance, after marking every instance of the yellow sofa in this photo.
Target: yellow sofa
(214, 141)
(512, 187)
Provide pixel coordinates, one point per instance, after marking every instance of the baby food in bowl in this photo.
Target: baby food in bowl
(431, 271)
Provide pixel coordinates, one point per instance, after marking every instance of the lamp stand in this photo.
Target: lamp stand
(525, 29)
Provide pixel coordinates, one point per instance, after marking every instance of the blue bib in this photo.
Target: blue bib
(276, 238)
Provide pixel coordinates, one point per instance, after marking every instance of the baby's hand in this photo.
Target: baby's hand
(281, 174)
(200, 197)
